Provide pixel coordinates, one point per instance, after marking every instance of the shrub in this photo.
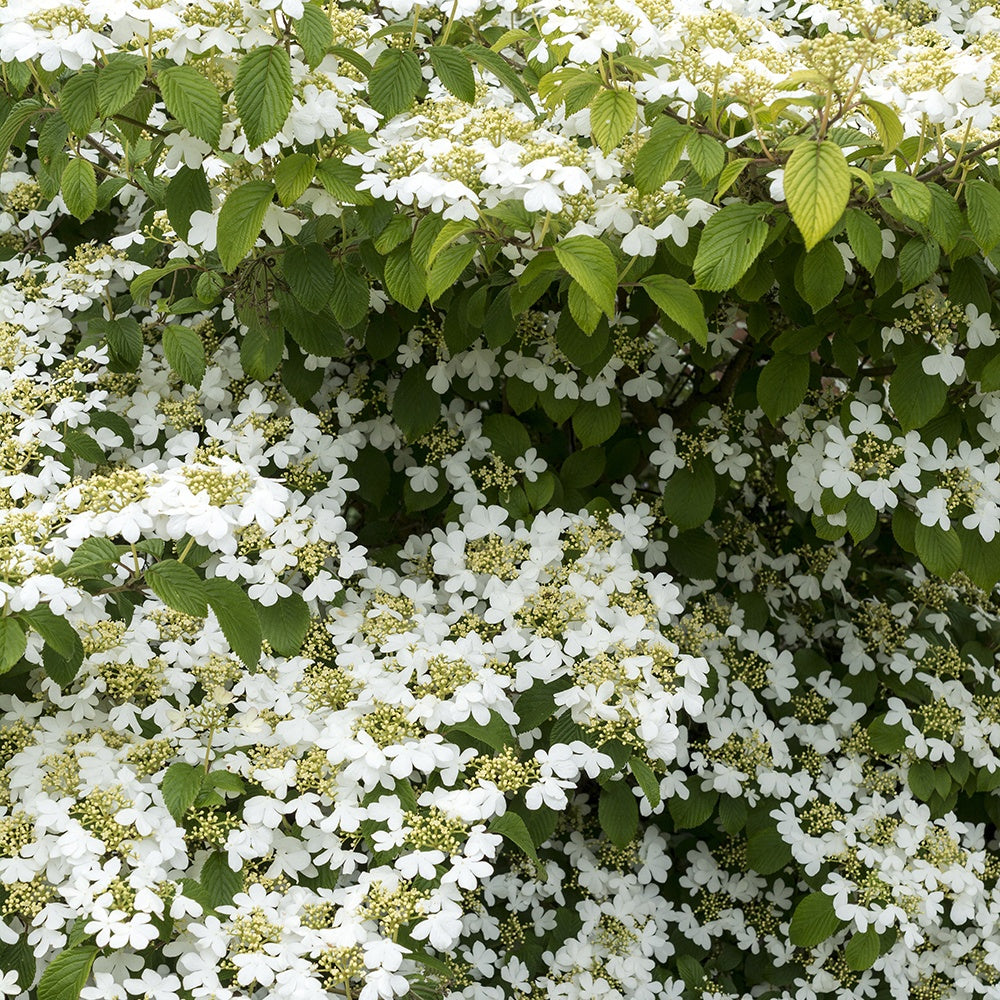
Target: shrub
(499, 500)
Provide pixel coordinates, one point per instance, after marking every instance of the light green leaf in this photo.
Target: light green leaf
(394, 82)
(185, 353)
(178, 586)
(452, 68)
(285, 623)
(240, 221)
(340, 180)
(886, 122)
(817, 187)
(730, 242)
(612, 114)
(730, 174)
(678, 300)
(910, 196)
(237, 617)
(946, 222)
(79, 188)
(706, 155)
(813, 921)
(263, 92)
(193, 101)
(13, 643)
(590, 263)
(67, 974)
(180, 787)
(495, 63)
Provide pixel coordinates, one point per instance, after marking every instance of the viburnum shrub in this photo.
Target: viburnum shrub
(499, 501)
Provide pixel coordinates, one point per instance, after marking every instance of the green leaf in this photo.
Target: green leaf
(884, 738)
(939, 550)
(680, 302)
(56, 631)
(918, 260)
(193, 101)
(314, 33)
(351, 295)
(767, 851)
(187, 192)
(911, 197)
(452, 68)
(647, 780)
(13, 643)
(185, 352)
(77, 100)
(118, 82)
(219, 882)
(862, 950)
(817, 188)
(536, 705)
(310, 275)
(340, 180)
(822, 275)
(886, 122)
(730, 242)
(946, 222)
(124, 339)
(416, 407)
(593, 424)
(591, 264)
(706, 155)
(447, 267)
(982, 202)
(495, 734)
(783, 384)
(237, 617)
(405, 279)
(689, 494)
(394, 82)
(79, 188)
(730, 174)
(511, 826)
(261, 351)
(865, 238)
(293, 175)
(618, 813)
(922, 780)
(659, 155)
(180, 787)
(495, 63)
(263, 92)
(240, 221)
(612, 114)
(585, 312)
(813, 921)
(915, 396)
(178, 586)
(93, 557)
(285, 623)
(19, 957)
(507, 436)
(67, 974)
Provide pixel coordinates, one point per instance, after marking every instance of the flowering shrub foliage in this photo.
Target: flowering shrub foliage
(499, 500)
